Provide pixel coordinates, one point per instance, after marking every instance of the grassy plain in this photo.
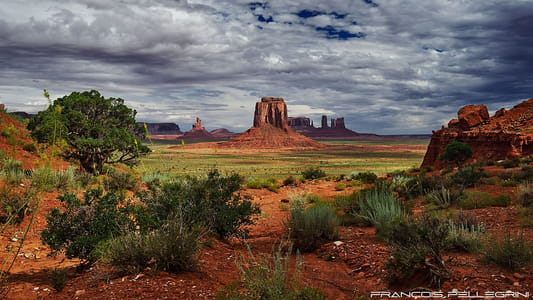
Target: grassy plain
(340, 157)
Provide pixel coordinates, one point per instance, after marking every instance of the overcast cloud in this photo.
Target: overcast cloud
(388, 67)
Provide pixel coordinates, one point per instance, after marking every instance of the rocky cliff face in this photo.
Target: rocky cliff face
(271, 129)
(506, 134)
(163, 128)
(271, 111)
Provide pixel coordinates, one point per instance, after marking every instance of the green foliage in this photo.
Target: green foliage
(12, 171)
(265, 277)
(464, 236)
(382, 210)
(270, 184)
(171, 248)
(85, 223)
(66, 179)
(417, 247)
(118, 180)
(508, 182)
(8, 131)
(525, 194)
(30, 147)
(444, 197)
(97, 130)
(340, 186)
(364, 177)
(44, 179)
(476, 199)
(456, 152)
(510, 163)
(291, 180)
(15, 204)
(511, 252)
(313, 226)
(468, 176)
(313, 173)
(58, 279)
(210, 201)
(155, 180)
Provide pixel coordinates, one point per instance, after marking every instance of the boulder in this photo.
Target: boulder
(472, 115)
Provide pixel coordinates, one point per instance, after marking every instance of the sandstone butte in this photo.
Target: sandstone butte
(271, 129)
(197, 132)
(507, 134)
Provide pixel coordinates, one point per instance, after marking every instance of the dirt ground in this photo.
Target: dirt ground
(343, 271)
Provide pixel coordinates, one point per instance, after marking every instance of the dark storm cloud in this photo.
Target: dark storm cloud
(386, 66)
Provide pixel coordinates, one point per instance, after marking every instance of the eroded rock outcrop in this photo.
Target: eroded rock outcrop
(271, 129)
(509, 133)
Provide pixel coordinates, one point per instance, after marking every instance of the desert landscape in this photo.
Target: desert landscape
(336, 219)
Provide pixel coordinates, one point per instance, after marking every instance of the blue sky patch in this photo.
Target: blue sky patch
(334, 33)
(254, 5)
(305, 14)
(260, 18)
(371, 3)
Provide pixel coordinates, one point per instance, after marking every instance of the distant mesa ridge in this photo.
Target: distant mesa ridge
(507, 134)
(163, 128)
(335, 130)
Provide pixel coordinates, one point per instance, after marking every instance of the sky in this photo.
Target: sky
(386, 66)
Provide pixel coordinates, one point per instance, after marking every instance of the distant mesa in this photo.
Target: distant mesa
(271, 129)
(197, 132)
(163, 128)
(509, 133)
(335, 130)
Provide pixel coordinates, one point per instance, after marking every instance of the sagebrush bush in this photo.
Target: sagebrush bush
(44, 179)
(476, 199)
(171, 248)
(66, 179)
(85, 223)
(468, 176)
(15, 204)
(155, 180)
(267, 277)
(212, 201)
(313, 173)
(510, 251)
(364, 177)
(291, 180)
(381, 208)
(270, 184)
(310, 227)
(417, 246)
(442, 198)
(465, 237)
(525, 194)
(12, 171)
(118, 180)
(340, 186)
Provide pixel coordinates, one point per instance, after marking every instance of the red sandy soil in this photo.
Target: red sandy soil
(341, 271)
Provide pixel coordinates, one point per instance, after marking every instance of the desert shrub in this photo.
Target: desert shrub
(12, 171)
(85, 223)
(84, 178)
(441, 198)
(446, 170)
(382, 210)
(525, 174)
(270, 184)
(58, 279)
(291, 180)
(465, 236)
(511, 252)
(44, 178)
(30, 147)
(8, 131)
(118, 180)
(340, 186)
(510, 163)
(508, 182)
(311, 227)
(417, 247)
(456, 152)
(476, 199)
(212, 201)
(66, 179)
(525, 194)
(505, 175)
(171, 248)
(364, 177)
(468, 176)
(155, 180)
(313, 173)
(267, 277)
(15, 204)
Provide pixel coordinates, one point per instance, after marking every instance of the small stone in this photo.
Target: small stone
(518, 276)
(14, 239)
(338, 243)
(46, 289)
(140, 275)
(481, 283)
(28, 255)
(36, 288)
(516, 283)
(80, 292)
(360, 275)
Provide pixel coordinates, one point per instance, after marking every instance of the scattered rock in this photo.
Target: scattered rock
(518, 276)
(338, 243)
(80, 292)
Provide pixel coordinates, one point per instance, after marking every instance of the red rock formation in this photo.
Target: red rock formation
(324, 122)
(506, 134)
(271, 111)
(271, 129)
(197, 133)
(472, 115)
